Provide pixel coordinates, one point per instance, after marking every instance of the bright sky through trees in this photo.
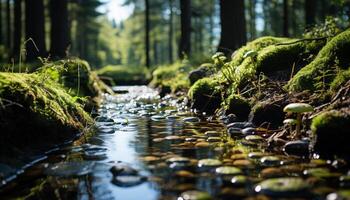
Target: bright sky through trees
(115, 10)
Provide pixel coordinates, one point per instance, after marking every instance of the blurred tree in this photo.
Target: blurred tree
(285, 18)
(8, 25)
(1, 24)
(171, 31)
(233, 26)
(310, 12)
(185, 41)
(34, 26)
(59, 28)
(17, 39)
(147, 32)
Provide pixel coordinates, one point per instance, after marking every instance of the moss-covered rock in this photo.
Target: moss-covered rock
(332, 132)
(173, 76)
(124, 75)
(342, 77)
(36, 112)
(205, 70)
(237, 105)
(321, 71)
(76, 76)
(205, 95)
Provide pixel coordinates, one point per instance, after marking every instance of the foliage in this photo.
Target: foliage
(124, 75)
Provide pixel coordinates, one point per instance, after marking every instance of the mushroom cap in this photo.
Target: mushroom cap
(217, 55)
(298, 108)
(290, 121)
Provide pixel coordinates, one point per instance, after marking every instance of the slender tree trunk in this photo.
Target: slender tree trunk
(17, 29)
(1, 24)
(310, 12)
(35, 29)
(147, 34)
(8, 25)
(252, 19)
(59, 28)
(171, 32)
(285, 18)
(185, 41)
(233, 26)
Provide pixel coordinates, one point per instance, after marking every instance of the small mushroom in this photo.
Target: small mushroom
(299, 109)
(251, 54)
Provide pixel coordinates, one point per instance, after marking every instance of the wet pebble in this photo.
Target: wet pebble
(209, 163)
(249, 131)
(123, 170)
(157, 117)
(212, 134)
(270, 161)
(234, 132)
(254, 138)
(239, 180)
(340, 195)
(298, 148)
(194, 195)
(228, 170)
(69, 169)
(272, 172)
(214, 139)
(191, 119)
(202, 144)
(103, 119)
(283, 187)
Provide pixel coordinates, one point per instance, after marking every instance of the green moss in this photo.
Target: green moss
(238, 105)
(173, 76)
(322, 70)
(36, 111)
(342, 77)
(76, 76)
(272, 55)
(205, 95)
(125, 75)
(332, 131)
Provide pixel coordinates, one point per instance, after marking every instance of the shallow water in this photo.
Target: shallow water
(159, 150)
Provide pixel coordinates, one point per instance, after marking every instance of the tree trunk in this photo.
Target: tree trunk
(310, 12)
(185, 41)
(60, 34)
(233, 26)
(17, 39)
(171, 32)
(8, 25)
(147, 34)
(285, 19)
(35, 29)
(252, 14)
(155, 52)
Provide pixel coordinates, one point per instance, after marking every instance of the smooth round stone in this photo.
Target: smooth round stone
(340, 195)
(191, 119)
(184, 174)
(254, 138)
(190, 139)
(172, 117)
(243, 163)
(214, 139)
(240, 125)
(158, 139)
(234, 132)
(103, 119)
(283, 187)
(298, 148)
(178, 160)
(249, 131)
(173, 137)
(150, 159)
(123, 170)
(270, 160)
(239, 180)
(256, 155)
(194, 195)
(272, 172)
(209, 163)
(170, 112)
(128, 181)
(202, 144)
(106, 130)
(212, 134)
(94, 155)
(69, 169)
(157, 117)
(228, 170)
(321, 173)
(345, 181)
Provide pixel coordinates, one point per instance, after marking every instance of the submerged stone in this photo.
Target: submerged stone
(209, 163)
(194, 195)
(123, 170)
(234, 132)
(298, 148)
(283, 187)
(212, 133)
(191, 119)
(239, 180)
(270, 161)
(69, 169)
(228, 170)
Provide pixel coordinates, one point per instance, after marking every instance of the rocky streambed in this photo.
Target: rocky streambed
(146, 147)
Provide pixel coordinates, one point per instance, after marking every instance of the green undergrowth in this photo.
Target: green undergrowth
(124, 75)
(321, 73)
(37, 111)
(76, 76)
(173, 78)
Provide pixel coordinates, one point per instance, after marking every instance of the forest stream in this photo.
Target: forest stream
(148, 148)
